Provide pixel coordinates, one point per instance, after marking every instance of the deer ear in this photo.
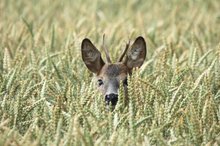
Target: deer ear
(91, 56)
(136, 54)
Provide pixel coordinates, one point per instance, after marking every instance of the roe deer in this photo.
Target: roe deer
(109, 75)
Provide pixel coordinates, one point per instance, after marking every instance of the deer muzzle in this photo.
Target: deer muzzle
(111, 98)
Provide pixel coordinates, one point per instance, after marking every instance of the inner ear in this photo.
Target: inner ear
(91, 56)
(136, 54)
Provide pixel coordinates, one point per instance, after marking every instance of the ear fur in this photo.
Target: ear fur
(136, 54)
(91, 56)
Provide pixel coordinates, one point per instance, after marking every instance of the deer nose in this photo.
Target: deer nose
(113, 98)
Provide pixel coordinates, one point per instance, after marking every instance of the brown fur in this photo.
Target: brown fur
(110, 74)
(113, 70)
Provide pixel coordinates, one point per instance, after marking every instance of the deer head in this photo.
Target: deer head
(109, 75)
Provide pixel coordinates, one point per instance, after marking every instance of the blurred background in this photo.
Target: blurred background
(46, 93)
(35, 21)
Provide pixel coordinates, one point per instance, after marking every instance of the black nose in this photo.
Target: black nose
(113, 98)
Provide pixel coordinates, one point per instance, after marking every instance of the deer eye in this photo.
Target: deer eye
(100, 82)
(125, 82)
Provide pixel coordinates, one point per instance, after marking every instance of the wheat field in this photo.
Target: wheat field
(48, 97)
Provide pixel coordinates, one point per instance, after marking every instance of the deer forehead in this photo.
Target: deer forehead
(116, 70)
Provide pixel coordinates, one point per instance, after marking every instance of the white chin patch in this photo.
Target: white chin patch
(107, 107)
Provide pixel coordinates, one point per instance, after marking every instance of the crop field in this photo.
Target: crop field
(49, 97)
